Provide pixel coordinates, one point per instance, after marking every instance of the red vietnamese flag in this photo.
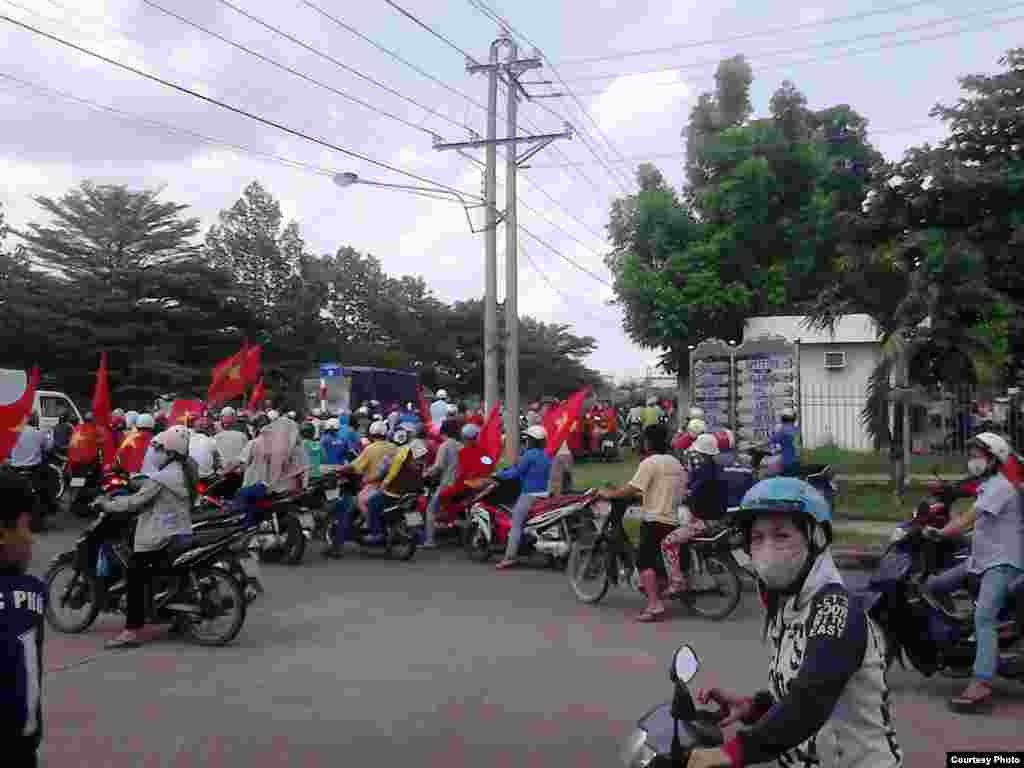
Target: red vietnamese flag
(229, 376)
(259, 394)
(251, 365)
(561, 421)
(84, 448)
(101, 410)
(424, 411)
(132, 451)
(186, 412)
(14, 416)
(491, 439)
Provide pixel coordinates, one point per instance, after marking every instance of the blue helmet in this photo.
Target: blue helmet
(785, 494)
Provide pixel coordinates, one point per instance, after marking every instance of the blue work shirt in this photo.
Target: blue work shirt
(787, 439)
(532, 471)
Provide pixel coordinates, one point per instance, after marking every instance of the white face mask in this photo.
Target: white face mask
(780, 568)
(977, 467)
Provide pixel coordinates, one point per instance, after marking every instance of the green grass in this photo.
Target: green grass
(878, 462)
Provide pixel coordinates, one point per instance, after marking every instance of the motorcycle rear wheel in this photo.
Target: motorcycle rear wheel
(230, 604)
(87, 588)
(588, 571)
(401, 542)
(725, 595)
(295, 540)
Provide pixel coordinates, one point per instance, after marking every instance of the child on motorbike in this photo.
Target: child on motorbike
(22, 600)
(829, 703)
(163, 507)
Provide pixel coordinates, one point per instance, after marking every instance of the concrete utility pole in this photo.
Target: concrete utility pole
(508, 72)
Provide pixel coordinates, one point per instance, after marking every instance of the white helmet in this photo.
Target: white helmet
(537, 432)
(174, 440)
(706, 444)
(696, 427)
(442, 394)
(293, 415)
(470, 432)
(994, 444)
(227, 412)
(696, 413)
(379, 429)
(418, 450)
(787, 413)
(453, 410)
(117, 412)
(146, 421)
(332, 425)
(652, 400)
(377, 417)
(409, 406)
(273, 415)
(131, 419)
(400, 437)
(363, 411)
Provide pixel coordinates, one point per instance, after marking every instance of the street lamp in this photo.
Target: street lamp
(348, 179)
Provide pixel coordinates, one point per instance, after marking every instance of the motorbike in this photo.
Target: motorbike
(279, 536)
(551, 526)
(85, 485)
(605, 556)
(402, 521)
(934, 511)
(665, 736)
(452, 516)
(189, 589)
(241, 559)
(931, 635)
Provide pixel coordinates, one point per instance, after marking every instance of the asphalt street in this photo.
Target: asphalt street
(436, 662)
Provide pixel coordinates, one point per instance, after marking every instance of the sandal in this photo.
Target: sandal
(506, 564)
(977, 697)
(650, 617)
(124, 642)
(673, 591)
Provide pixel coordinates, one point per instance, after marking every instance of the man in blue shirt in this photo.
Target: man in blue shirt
(785, 443)
(532, 471)
(22, 602)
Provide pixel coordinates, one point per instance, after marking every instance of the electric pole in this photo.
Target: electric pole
(507, 72)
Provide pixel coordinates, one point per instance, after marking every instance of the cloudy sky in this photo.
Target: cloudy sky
(636, 106)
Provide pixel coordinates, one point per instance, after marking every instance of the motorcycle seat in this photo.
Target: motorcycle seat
(540, 506)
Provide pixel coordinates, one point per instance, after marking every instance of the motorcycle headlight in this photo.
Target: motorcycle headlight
(636, 753)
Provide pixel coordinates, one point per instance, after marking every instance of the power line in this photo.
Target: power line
(319, 53)
(850, 54)
(804, 48)
(574, 306)
(480, 4)
(567, 259)
(229, 107)
(166, 127)
(431, 30)
(770, 32)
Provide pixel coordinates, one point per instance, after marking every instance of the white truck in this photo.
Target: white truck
(48, 403)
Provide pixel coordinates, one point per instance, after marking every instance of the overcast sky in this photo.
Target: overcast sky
(49, 143)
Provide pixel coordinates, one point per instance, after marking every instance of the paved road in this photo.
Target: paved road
(438, 662)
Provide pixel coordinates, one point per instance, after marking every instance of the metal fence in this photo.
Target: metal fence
(834, 416)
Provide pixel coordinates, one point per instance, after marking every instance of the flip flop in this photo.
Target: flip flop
(117, 644)
(674, 591)
(650, 617)
(506, 564)
(971, 704)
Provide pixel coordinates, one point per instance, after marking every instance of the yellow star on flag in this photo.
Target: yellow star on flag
(76, 438)
(20, 426)
(186, 417)
(562, 420)
(130, 439)
(234, 372)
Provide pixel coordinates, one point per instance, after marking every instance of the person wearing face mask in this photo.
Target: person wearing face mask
(997, 558)
(828, 702)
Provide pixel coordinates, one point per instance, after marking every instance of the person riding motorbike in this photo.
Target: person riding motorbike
(706, 496)
(684, 440)
(445, 466)
(533, 472)
(829, 703)
(232, 438)
(997, 559)
(372, 464)
(314, 453)
(404, 476)
(439, 408)
(28, 456)
(661, 481)
(203, 449)
(62, 432)
(163, 503)
(785, 443)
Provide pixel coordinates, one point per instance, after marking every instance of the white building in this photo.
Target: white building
(834, 371)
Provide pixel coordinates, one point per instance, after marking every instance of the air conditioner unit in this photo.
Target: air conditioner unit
(835, 360)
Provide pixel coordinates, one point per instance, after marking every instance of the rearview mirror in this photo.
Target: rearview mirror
(684, 665)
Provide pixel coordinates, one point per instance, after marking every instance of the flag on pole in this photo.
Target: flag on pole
(258, 396)
(186, 412)
(561, 421)
(101, 410)
(233, 374)
(14, 416)
(491, 438)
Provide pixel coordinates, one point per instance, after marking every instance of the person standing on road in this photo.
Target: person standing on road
(997, 557)
(785, 443)
(22, 604)
(661, 481)
(29, 455)
(533, 473)
(445, 465)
